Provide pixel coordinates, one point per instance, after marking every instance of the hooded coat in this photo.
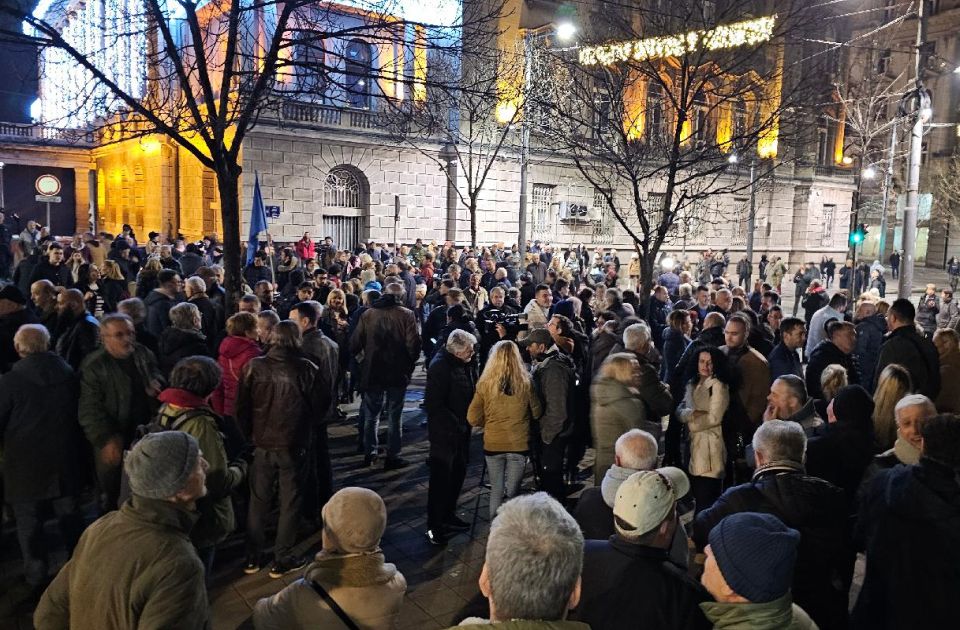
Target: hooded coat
(870, 332)
(235, 352)
(615, 409)
(386, 337)
(909, 525)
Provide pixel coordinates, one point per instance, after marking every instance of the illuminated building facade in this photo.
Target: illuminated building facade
(330, 165)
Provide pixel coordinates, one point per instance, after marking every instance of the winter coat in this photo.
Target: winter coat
(674, 343)
(211, 319)
(505, 418)
(870, 332)
(537, 317)
(616, 571)
(949, 399)
(917, 354)
(216, 519)
(553, 382)
(615, 409)
(784, 361)
(368, 589)
(305, 249)
(278, 400)
(743, 268)
(9, 324)
(177, 344)
(601, 347)
(147, 281)
(189, 263)
(235, 352)
(777, 272)
(815, 331)
(807, 418)
(253, 274)
(386, 337)
(814, 507)
(657, 318)
(708, 455)
(59, 275)
(842, 455)
(155, 577)
(450, 386)
(909, 526)
(780, 614)
(106, 407)
(813, 302)
(522, 624)
(948, 310)
(41, 441)
(753, 374)
(78, 338)
(927, 313)
(158, 312)
(325, 354)
(827, 353)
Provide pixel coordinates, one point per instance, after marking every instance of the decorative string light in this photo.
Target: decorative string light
(746, 33)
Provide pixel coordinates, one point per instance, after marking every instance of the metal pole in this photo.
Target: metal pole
(48, 219)
(751, 218)
(2, 205)
(524, 146)
(913, 173)
(396, 223)
(887, 183)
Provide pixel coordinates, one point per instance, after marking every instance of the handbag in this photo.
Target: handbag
(334, 606)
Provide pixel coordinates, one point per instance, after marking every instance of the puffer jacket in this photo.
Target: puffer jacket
(708, 455)
(278, 401)
(814, 507)
(386, 338)
(235, 352)
(870, 332)
(369, 590)
(505, 418)
(553, 380)
(927, 313)
(780, 614)
(615, 409)
(156, 578)
(216, 520)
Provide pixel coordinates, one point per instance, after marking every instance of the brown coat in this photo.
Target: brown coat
(948, 401)
(754, 373)
(386, 344)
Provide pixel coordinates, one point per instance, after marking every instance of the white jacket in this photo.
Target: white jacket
(708, 456)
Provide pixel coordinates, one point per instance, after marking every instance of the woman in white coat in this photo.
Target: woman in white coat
(706, 401)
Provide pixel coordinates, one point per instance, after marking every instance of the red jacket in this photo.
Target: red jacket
(305, 250)
(235, 352)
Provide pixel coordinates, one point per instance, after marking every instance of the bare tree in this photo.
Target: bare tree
(651, 120)
(211, 70)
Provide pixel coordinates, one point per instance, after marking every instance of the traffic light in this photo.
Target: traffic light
(859, 234)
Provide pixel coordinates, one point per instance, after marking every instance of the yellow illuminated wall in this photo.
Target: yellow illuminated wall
(769, 108)
(420, 65)
(635, 109)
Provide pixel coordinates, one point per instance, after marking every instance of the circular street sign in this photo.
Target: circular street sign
(48, 185)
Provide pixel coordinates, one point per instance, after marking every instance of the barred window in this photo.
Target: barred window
(341, 190)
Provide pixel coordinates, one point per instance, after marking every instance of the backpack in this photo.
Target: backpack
(155, 425)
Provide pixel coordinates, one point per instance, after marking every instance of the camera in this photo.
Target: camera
(513, 322)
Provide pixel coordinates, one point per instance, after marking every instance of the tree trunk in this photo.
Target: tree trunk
(646, 279)
(473, 223)
(228, 183)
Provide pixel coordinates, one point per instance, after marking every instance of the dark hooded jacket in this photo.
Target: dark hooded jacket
(909, 526)
(870, 332)
(814, 507)
(177, 344)
(917, 354)
(158, 312)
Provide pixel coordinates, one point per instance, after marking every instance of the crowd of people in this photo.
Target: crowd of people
(726, 439)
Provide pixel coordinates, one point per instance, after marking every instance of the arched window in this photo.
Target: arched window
(357, 73)
(700, 116)
(310, 57)
(741, 120)
(342, 190)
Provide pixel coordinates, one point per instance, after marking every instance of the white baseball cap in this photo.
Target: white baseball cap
(646, 498)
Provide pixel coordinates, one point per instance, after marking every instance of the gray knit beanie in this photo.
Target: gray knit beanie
(159, 464)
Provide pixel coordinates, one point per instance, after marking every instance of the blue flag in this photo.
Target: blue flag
(258, 220)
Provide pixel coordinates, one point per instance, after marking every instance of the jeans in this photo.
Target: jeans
(33, 545)
(291, 469)
(506, 474)
(373, 403)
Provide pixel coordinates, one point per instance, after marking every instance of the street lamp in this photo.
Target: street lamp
(869, 172)
(564, 31)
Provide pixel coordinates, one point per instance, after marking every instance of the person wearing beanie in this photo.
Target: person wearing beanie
(350, 568)
(909, 527)
(814, 507)
(13, 314)
(636, 559)
(748, 572)
(136, 567)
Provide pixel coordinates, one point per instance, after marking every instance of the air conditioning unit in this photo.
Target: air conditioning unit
(573, 211)
(564, 212)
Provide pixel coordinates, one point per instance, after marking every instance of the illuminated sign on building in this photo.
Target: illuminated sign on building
(746, 33)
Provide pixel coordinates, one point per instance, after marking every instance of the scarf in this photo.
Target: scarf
(905, 452)
(181, 398)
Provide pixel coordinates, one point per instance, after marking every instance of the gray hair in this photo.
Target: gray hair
(637, 450)
(31, 339)
(798, 389)
(134, 308)
(636, 337)
(915, 400)
(185, 316)
(781, 440)
(534, 558)
(460, 340)
(196, 283)
(395, 288)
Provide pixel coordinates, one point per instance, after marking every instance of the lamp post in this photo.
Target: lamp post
(564, 31)
(752, 213)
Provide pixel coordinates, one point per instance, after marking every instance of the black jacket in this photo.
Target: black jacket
(9, 324)
(42, 442)
(211, 318)
(784, 361)
(189, 263)
(450, 387)
(630, 586)
(841, 456)
(386, 336)
(870, 332)
(158, 312)
(176, 344)
(77, 337)
(917, 354)
(827, 353)
(814, 507)
(553, 380)
(909, 525)
(59, 275)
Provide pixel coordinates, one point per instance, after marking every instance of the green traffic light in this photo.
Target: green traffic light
(856, 238)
